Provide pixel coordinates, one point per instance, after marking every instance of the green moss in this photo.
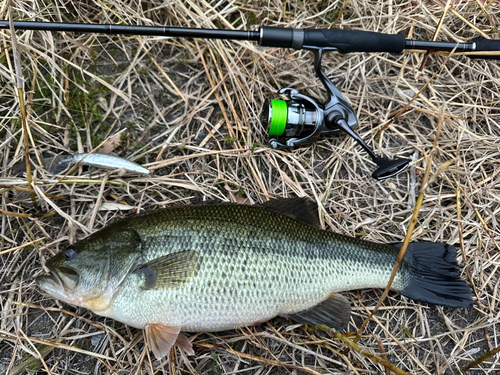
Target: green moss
(251, 18)
(333, 16)
(83, 107)
(215, 368)
(360, 234)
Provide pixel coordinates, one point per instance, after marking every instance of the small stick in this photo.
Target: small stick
(20, 93)
(21, 246)
(434, 37)
(481, 359)
(363, 352)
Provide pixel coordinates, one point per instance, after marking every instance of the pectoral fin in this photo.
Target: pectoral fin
(161, 338)
(169, 271)
(334, 312)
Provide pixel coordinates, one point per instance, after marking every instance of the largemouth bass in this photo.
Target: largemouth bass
(215, 267)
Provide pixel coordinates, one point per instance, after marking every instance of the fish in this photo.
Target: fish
(97, 160)
(220, 266)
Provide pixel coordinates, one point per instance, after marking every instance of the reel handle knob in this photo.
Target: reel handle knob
(389, 168)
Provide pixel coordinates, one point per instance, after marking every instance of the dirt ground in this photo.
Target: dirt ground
(189, 110)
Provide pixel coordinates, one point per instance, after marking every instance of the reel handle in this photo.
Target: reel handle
(386, 168)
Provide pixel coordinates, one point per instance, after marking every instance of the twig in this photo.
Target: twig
(21, 246)
(481, 359)
(434, 37)
(363, 352)
(262, 360)
(20, 93)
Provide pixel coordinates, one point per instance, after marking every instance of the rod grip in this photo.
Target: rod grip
(346, 41)
(483, 45)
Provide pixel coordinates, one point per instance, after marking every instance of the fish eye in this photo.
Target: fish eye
(69, 253)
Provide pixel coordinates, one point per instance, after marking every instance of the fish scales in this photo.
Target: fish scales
(248, 257)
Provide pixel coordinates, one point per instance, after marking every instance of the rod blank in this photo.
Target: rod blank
(184, 32)
(343, 41)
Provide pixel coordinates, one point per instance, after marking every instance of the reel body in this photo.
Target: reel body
(302, 119)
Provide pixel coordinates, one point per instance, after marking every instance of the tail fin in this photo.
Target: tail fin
(435, 275)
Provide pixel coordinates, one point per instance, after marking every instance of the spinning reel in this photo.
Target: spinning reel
(301, 120)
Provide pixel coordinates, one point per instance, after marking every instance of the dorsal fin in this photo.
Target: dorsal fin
(302, 209)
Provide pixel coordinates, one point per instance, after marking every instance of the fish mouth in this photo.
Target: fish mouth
(57, 280)
(49, 283)
(51, 278)
(54, 277)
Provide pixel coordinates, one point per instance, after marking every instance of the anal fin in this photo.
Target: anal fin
(161, 338)
(333, 312)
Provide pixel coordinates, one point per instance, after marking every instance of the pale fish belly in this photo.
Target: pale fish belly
(241, 288)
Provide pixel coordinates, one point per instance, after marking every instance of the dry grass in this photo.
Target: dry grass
(189, 109)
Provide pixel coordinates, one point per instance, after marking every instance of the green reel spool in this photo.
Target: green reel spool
(278, 114)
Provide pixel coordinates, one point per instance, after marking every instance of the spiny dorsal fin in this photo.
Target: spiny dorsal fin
(333, 312)
(170, 271)
(302, 209)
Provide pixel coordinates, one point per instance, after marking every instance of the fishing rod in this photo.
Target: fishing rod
(300, 120)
